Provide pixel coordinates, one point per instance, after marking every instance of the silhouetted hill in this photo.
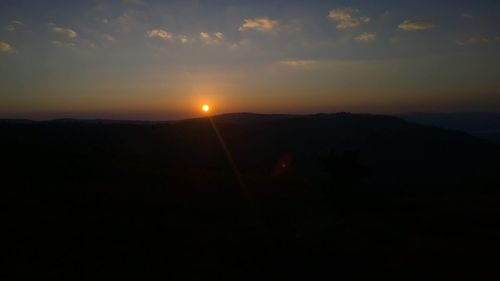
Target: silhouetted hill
(100, 121)
(471, 122)
(321, 195)
(16, 121)
(402, 155)
(252, 117)
(484, 125)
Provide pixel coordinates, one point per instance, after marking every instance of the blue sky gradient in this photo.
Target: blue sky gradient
(149, 59)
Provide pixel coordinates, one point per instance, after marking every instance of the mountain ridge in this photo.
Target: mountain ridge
(395, 149)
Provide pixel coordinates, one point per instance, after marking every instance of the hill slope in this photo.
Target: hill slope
(401, 155)
(483, 125)
(142, 201)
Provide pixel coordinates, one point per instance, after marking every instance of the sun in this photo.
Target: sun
(205, 108)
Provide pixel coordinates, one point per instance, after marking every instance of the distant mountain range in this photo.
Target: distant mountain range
(485, 125)
(402, 155)
(468, 122)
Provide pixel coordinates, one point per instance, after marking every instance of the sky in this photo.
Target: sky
(162, 60)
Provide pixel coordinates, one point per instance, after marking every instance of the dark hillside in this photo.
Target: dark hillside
(322, 195)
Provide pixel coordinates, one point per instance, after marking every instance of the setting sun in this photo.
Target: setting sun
(237, 139)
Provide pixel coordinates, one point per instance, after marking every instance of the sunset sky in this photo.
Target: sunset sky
(151, 59)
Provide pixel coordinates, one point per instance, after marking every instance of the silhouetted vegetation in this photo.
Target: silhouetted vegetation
(141, 201)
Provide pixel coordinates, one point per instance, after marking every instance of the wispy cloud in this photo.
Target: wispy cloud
(68, 32)
(259, 24)
(13, 25)
(205, 37)
(210, 39)
(184, 39)
(297, 63)
(365, 37)
(62, 44)
(413, 25)
(477, 40)
(6, 47)
(347, 18)
(240, 44)
(160, 33)
(219, 35)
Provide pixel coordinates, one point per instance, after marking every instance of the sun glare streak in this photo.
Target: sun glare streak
(206, 108)
(229, 158)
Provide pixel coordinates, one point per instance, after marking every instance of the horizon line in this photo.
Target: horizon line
(3, 119)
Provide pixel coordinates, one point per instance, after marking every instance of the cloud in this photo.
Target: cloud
(467, 16)
(240, 44)
(209, 39)
(412, 25)
(206, 38)
(297, 63)
(68, 32)
(259, 24)
(365, 37)
(476, 41)
(6, 47)
(13, 25)
(184, 39)
(219, 35)
(160, 33)
(347, 18)
(63, 44)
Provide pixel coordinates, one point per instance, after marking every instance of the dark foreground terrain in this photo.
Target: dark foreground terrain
(320, 197)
